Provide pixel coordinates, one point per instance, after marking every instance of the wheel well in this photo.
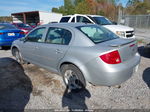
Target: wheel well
(13, 50)
(67, 63)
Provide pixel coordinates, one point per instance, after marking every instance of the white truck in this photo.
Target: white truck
(120, 30)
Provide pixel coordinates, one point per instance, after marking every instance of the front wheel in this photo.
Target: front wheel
(18, 56)
(73, 77)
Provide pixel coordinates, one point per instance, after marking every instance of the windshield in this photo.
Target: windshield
(6, 26)
(97, 34)
(102, 21)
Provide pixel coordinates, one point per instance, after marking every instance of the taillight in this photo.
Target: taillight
(22, 32)
(1, 33)
(111, 57)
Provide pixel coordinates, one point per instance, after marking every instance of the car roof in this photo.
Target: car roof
(83, 15)
(95, 15)
(67, 24)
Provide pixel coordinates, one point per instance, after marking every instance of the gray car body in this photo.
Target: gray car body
(84, 54)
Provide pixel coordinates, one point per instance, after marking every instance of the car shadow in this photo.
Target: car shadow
(146, 76)
(144, 52)
(15, 86)
(75, 100)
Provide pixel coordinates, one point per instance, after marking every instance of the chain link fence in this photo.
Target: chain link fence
(137, 21)
(141, 24)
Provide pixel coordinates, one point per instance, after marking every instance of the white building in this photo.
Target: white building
(37, 17)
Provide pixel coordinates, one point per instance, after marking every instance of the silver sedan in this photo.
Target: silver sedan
(79, 53)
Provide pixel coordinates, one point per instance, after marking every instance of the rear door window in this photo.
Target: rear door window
(58, 36)
(82, 19)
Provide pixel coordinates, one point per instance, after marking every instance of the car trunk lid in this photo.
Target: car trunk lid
(121, 42)
(127, 48)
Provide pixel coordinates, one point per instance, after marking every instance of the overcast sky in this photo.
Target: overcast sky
(11, 6)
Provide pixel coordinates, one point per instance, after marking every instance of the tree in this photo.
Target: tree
(69, 7)
(78, 1)
(107, 8)
(55, 9)
(5, 19)
(82, 8)
(86, 7)
(136, 7)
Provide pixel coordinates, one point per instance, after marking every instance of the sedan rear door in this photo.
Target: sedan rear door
(56, 45)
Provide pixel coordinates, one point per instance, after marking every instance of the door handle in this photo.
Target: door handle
(58, 51)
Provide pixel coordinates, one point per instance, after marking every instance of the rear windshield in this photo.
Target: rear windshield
(7, 26)
(64, 19)
(23, 25)
(97, 33)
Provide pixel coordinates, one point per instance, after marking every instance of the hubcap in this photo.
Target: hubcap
(18, 57)
(72, 80)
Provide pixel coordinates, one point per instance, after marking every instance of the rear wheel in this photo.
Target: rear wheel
(18, 56)
(73, 77)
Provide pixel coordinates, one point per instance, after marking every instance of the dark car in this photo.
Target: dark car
(9, 33)
(24, 27)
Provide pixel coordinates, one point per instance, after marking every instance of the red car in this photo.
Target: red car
(33, 25)
(24, 27)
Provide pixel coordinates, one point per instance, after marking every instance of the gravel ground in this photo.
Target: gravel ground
(31, 87)
(143, 34)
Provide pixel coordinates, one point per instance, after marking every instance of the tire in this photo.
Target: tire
(18, 56)
(146, 49)
(73, 77)
(2, 47)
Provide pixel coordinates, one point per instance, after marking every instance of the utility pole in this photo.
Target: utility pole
(119, 14)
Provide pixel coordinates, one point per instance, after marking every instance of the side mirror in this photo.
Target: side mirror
(24, 39)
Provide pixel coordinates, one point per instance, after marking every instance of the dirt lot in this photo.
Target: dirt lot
(31, 87)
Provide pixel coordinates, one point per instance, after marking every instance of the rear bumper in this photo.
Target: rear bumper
(6, 43)
(101, 73)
